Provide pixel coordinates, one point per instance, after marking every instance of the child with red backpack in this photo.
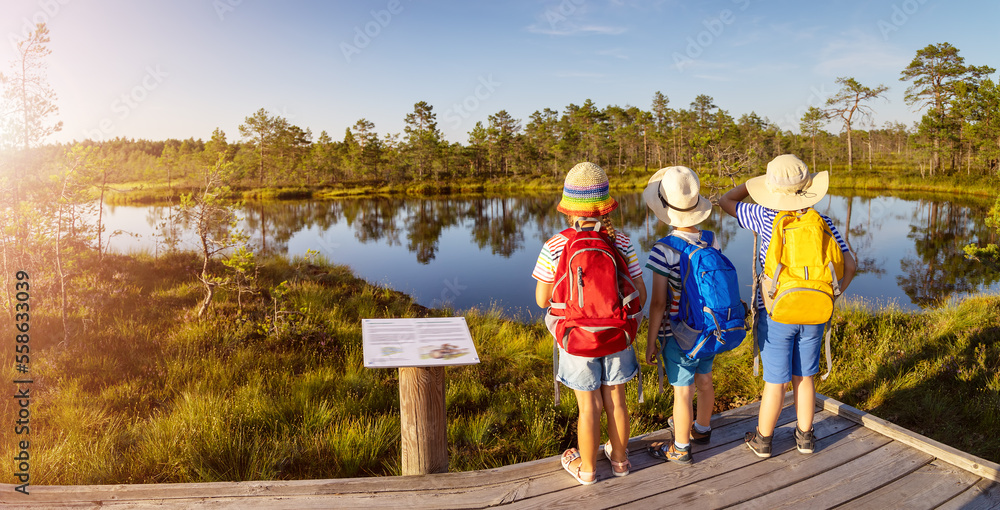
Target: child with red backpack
(690, 276)
(589, 278)
(791, 334)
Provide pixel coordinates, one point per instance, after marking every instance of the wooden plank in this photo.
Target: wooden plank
(836, 446)
(985, 495)
(262, 502)
(927, 487)
(470, 479)
(847, 481)
(968, 462)
(486, 494)
(727, 427)
(650, 476)
(461, 498)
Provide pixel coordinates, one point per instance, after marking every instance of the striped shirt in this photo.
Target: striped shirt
(548, 259)
(760, 219)
(666, 262)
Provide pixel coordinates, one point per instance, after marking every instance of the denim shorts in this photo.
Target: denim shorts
(679, 368)
(788, 350)
(589, 374)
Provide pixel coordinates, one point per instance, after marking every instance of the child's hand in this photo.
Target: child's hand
(651, 349)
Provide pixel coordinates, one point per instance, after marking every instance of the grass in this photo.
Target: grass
(146, 393)
(935, 373)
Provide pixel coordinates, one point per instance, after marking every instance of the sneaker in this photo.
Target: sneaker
(664, 452)
(696, 437)
(805, 442)
(760, 445)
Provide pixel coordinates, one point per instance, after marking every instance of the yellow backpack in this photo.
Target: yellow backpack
(801, 269)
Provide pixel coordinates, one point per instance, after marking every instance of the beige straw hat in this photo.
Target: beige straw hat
(788, 186)
(672, 195)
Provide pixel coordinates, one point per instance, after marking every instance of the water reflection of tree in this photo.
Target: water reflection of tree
(860, 235)
(541, 212)
(499, 223)
(271, 225)
(424, 225)
(372, 219)
(939, 231)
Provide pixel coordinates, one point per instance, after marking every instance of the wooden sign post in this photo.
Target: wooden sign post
(420, 348)
(424, 426)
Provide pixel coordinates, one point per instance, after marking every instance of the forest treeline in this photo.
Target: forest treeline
(959, 133)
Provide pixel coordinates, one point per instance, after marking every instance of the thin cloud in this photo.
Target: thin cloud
(856, 51)
(567, 28)
(788, 32)
(615, 53)
(578, 74)
(730, 71)
(711, 77)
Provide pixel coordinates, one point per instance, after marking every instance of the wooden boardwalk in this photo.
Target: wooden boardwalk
(860, 462)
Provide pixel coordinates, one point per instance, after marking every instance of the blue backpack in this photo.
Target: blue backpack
(712, 317)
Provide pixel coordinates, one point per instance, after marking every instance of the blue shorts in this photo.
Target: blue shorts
(788, 350)
(589, 374)
(679, 368)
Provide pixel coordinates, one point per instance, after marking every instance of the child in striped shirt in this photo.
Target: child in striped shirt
(598, 383)
(673, 196)
(788, 352)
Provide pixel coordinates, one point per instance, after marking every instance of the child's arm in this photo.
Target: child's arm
(850, 268)
(657, 305)
(543, 292)
(732, 197)
(641, 287)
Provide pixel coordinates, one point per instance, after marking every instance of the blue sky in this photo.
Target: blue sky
(181, 68)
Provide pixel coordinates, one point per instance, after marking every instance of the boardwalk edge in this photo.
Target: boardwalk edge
(966, 461)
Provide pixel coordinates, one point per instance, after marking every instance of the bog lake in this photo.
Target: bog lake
(479, 251)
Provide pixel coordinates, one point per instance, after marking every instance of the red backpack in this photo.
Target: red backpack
(594, 303)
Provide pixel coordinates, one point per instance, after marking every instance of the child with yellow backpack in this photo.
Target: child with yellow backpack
(807, 266)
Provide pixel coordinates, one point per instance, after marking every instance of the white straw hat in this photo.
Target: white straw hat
(788, 186)
(672, 195)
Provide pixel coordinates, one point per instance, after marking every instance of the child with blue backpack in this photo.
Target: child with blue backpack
(673, 196)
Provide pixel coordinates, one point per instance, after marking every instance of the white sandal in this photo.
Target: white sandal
(617, 468)
(568, 457)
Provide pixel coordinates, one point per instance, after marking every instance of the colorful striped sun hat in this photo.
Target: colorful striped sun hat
(585, 192)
